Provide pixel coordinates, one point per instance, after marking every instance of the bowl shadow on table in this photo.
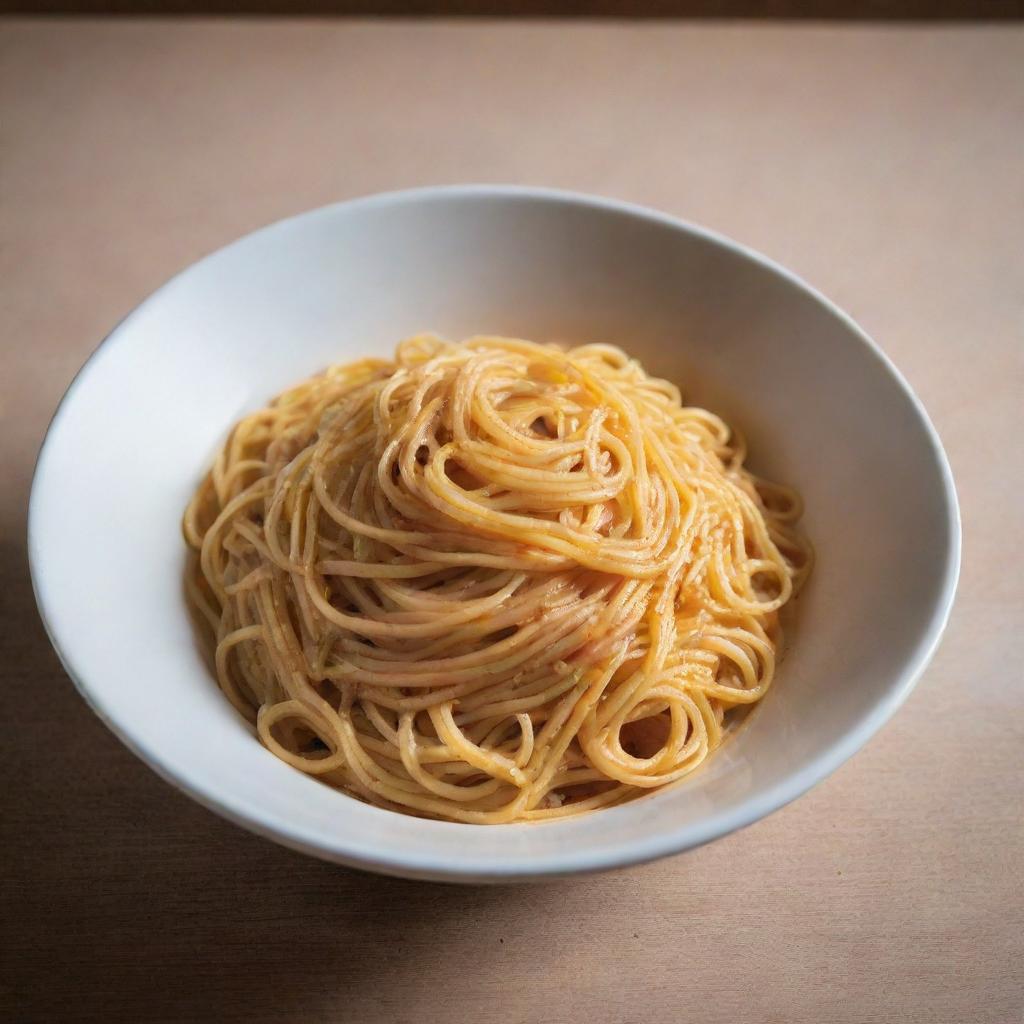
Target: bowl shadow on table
(126, 900)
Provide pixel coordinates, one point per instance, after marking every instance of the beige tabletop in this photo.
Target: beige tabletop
(886, 165)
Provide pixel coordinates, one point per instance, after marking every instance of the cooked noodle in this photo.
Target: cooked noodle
(493, 581)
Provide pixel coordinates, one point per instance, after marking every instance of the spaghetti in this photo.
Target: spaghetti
(492, 581)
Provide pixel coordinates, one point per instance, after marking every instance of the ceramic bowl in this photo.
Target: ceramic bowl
(821, 405)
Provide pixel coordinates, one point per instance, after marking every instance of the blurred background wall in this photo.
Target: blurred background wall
(887, 10)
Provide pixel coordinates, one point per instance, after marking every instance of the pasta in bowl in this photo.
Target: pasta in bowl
(490, 582)
(758, 354)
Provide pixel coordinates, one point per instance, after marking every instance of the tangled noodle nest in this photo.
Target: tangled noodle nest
(492, 581)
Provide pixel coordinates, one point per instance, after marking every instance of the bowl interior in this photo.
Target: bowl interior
(822, 409)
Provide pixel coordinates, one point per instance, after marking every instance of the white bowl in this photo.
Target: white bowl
(822, 406)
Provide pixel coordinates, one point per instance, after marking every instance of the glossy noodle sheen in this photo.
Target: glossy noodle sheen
(493, 581)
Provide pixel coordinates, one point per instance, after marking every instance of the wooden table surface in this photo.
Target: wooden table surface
(884, 164)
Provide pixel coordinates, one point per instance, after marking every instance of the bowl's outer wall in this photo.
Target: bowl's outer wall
(821, 407)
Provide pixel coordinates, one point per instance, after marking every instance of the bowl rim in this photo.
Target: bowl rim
(410, 861)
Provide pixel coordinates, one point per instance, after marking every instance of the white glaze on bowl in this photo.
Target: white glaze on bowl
(822, 407)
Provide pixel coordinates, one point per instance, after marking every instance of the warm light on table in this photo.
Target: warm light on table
(885, 164)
